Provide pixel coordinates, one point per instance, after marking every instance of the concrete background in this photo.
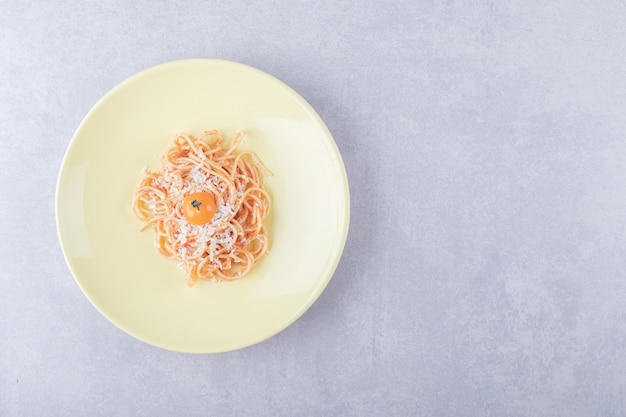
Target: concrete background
(485, 269)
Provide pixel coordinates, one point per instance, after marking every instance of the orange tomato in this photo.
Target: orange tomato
(199, 208)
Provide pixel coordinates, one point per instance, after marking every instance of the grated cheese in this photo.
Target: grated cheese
(224, 211)
(197, 176)
(212, 247)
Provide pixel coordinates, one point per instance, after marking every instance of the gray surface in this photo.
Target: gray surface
(484, 273)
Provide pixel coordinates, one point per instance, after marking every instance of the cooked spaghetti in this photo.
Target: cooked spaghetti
(207, 207)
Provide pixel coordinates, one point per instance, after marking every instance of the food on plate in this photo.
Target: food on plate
(206, 207)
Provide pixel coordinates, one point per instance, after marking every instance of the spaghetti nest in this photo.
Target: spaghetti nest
(235, 239)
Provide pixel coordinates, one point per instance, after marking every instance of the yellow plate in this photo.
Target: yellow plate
(118, 268)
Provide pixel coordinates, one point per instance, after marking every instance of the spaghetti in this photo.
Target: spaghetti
(233, 238)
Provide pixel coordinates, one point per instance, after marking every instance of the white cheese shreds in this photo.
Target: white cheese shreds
(212, 247)
(196, 176)
(204, 233)
(224, 211)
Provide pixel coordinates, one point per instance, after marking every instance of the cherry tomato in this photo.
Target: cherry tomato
(199, 208)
